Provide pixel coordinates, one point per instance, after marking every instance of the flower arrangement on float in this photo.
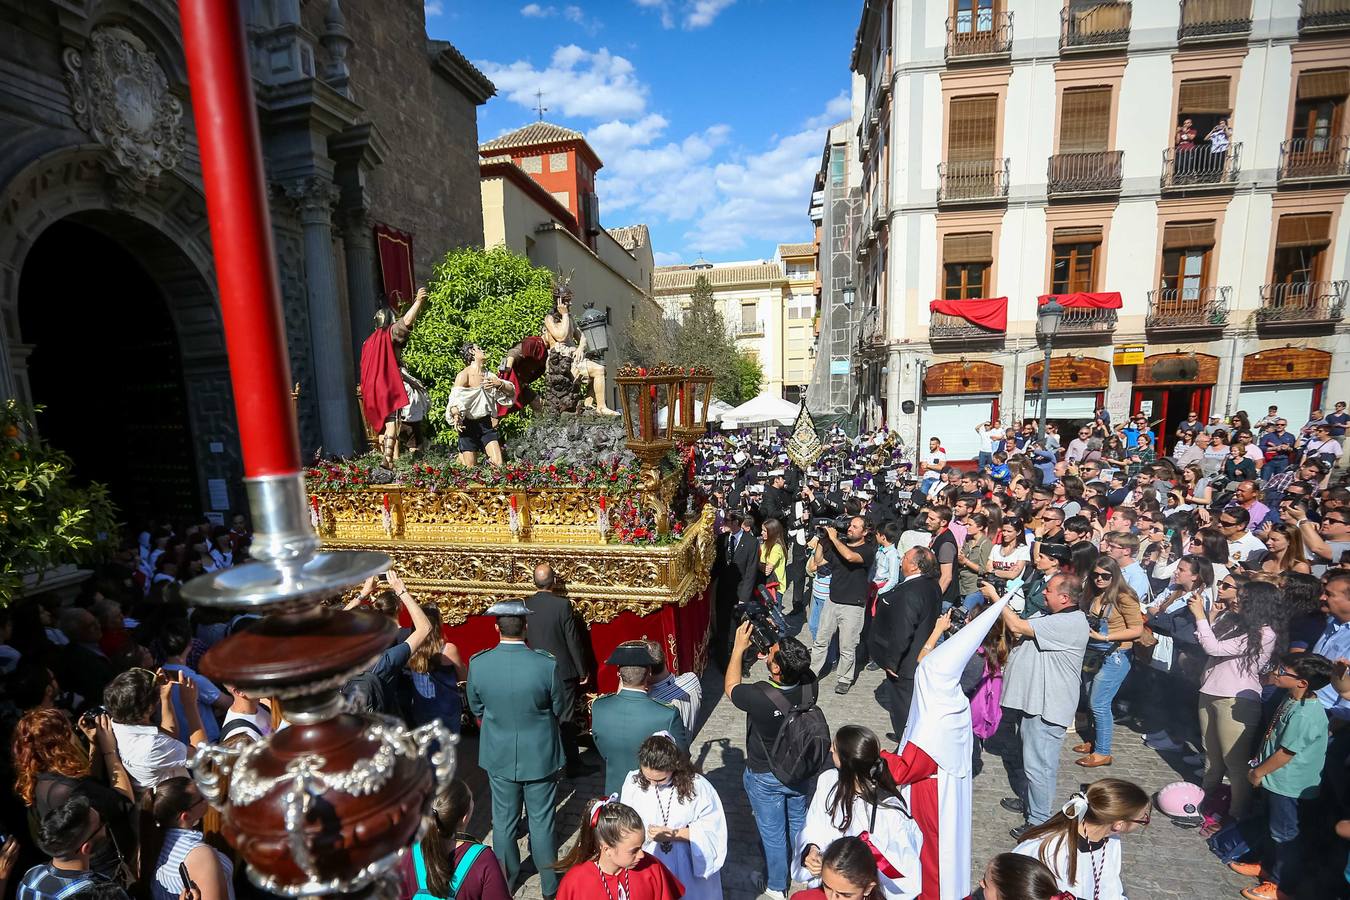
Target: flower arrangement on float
(443, 474)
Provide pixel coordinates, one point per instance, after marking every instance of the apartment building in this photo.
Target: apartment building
(751, 295)
(799, 312)
(1174, 174)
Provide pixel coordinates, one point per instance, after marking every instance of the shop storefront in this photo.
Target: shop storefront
(1167, 386)
(1077, 390)
(957, 397)
(1289, 377)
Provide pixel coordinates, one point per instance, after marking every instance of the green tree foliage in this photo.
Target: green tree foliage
(493, 298)
(702, 338)
(46, 520)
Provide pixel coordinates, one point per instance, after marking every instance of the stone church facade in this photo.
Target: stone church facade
(96, 129)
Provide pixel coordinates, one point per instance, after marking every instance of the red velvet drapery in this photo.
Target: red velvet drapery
(396, 268)
(991, 313)
(1084, 300)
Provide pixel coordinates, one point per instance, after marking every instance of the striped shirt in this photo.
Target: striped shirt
(46, 882)
(178, 843)
(684, 692)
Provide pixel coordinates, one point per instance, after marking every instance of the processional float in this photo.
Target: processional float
(330, 804)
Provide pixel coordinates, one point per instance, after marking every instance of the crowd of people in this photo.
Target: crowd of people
(1055, 587)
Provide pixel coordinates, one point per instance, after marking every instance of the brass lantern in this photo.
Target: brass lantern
(643, 392)
(695, 395)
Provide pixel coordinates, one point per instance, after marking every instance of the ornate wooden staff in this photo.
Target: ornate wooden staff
(331, 803)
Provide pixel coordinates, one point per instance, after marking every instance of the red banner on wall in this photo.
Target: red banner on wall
(1084, 300)
(396, 268)
(991, 313)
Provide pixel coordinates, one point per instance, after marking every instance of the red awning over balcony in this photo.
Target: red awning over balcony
(1084, 300)
(991, 313)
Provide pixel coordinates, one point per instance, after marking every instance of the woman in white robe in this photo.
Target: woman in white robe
(859, 797)
(686, 827)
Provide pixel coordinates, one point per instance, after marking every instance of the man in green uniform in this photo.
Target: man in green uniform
(516, 693)
(621, 721)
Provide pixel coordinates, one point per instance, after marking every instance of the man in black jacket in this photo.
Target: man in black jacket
(553, 627)
(904, 619)
(736, 569)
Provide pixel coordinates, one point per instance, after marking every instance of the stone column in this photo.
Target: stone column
(335, 386)
(362, 295)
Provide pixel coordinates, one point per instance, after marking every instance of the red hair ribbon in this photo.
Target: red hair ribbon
(1064, 895)
(601, 804)
(883, 864)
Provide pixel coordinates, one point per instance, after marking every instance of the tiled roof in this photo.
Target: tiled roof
(630, 237)
(454, 64)
(532, 134)
(681, 278)
(806, 249)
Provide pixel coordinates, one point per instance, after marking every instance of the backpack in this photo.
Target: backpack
(801, 750)
(985, 711)
(456, 878)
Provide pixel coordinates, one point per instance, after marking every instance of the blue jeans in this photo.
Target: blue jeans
(1282, 851)
(1041, 742)
(1102, 689)
(780, 815)
(983, 459)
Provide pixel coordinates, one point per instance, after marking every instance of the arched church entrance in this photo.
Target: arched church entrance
(106, 368)
(108, 318)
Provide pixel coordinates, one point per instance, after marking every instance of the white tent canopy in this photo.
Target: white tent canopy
(766, 409)
(716, 409)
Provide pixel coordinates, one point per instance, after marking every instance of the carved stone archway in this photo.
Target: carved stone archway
(164, 227)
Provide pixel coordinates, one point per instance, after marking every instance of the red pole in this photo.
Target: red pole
(241, 234)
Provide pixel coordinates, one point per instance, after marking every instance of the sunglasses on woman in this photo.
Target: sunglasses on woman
(1101, 576)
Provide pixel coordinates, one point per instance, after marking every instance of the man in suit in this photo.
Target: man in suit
(736, 569)
(516, 693)
(84, 668)
(554, 628)
(904, 618)
(621, 721)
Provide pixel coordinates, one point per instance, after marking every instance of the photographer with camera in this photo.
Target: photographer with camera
(850, 558)
(787, 744)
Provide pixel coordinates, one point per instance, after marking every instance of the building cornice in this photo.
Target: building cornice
(455, 68)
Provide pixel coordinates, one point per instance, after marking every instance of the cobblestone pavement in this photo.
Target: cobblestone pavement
(1162, 862)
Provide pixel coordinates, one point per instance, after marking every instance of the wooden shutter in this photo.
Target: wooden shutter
(1085, 120)
(968, 248)
(1306, 230)
(1086, 234)
(972, 129)
(1324, 84)
(1181, 235)
(1204, 95)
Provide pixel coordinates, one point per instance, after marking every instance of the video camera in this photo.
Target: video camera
(839, 523)
(764, 631)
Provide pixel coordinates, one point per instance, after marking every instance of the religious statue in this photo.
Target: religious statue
(394, 402)
(522, 366)
(562, 337)
(472, 410)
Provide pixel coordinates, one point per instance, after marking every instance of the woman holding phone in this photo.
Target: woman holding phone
(174, 854)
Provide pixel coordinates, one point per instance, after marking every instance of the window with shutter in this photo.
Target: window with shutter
(1187, 247)
(1073, 266)
(972, 129)
(1319, 113)
(1085, 120)
(966, 262)
(1204, 96)
(1300, 247)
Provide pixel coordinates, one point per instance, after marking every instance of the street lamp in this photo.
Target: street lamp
(1047, 323)
(849, 293)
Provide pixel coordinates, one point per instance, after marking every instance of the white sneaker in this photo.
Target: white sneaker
(1155, 736)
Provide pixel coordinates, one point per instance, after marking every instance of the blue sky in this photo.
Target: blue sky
(709, 115)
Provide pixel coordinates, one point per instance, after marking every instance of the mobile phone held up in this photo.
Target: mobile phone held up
(188, 884)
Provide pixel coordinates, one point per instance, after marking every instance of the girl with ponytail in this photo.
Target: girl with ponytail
(1010, 876)
(859, 798)
(1080, 844)
(607, 862)
(446, 863)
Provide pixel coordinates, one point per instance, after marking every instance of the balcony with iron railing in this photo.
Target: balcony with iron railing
(1201, 168)
(1092, 172)
(1301, 305)
(748, 329)
(1100, 26)
(1214, 20)
(973, 181)
(985, 35)
(1187, 309)
(945, 329)
(872, 329)
(1084, 322)
(1323, 15)
(1318, 158)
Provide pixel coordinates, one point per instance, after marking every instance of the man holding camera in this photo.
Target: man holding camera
(849, 557)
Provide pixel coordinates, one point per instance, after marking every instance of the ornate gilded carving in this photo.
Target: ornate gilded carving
(464, 577)
(120, 96)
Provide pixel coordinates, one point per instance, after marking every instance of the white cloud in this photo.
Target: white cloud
(573, 14)
(667, 258)
(836, 110)
(433, 8)
(576, 82)
(535, 11)
(691, 14)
